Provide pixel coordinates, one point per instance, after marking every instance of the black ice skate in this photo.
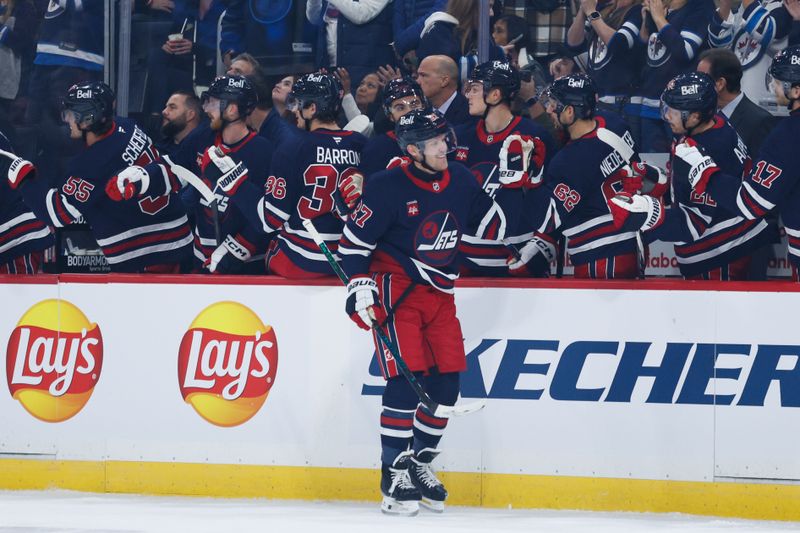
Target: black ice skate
(424, 478)
(400, 496)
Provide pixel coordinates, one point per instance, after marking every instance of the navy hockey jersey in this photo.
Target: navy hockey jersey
(580, 180)
(152, 230)
(772, 185)
(479, 150)
(411, 222)
(707, 236)
(613, 66)
(672, 50)
(20, 231)
(378, 152)
(256, 154)
(302, 184)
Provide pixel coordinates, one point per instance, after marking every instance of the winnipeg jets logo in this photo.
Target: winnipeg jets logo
(598, 53)
(657, 53)
(437, 238)
(747, 49)
(54, 9)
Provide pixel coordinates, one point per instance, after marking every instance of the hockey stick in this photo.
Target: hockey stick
(619, 145)
(186, 175)
(438, 410)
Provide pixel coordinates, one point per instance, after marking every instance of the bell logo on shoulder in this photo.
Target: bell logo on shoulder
(437, 238)
(87, 94)
(227, 363)
(53, 360)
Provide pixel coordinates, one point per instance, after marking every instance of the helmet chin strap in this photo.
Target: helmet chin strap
(424, 161)
(566, 127)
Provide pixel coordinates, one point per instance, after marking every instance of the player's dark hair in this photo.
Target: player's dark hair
(724, 64)
(191, 101)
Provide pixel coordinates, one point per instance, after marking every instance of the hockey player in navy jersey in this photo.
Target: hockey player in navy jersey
(224, 240)
(710, 241)
(400, 251)
(151, 234)
(508, 155)
(23, 237)
(582, 177)
(308, 173)
(773, 184)
(400, 96)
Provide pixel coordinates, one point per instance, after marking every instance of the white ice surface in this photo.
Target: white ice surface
(72, 512)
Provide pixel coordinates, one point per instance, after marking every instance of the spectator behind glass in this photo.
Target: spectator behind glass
(279, 93)
(366, 101)
(548, 21)
(409, 19)
(69, 51)
(355, 35)
(454, 33)
(755, 32)
(19, 21)
(611, 38)
(674, 31)
(793, 8)
(751, 121)
(181, 115)
(266, 118)
(188, 51)
(510, 33)
(438, 77)
(243, 65)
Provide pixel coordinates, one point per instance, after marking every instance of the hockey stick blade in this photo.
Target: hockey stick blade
(450, 411)
(439, 410)
(186, 175)
(616, 143)
(191, 178)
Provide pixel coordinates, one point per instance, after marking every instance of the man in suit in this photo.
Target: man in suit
(752, 122)
(438, 77)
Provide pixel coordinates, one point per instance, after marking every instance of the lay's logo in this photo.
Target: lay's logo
(227, 363)
(53, 360)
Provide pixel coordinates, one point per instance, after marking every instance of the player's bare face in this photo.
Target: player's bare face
(402, 106)
(69, 118)
(674, 118)
(435, 153)
(174, 111)
(211, 109)
(474, 95)
(780, 89)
